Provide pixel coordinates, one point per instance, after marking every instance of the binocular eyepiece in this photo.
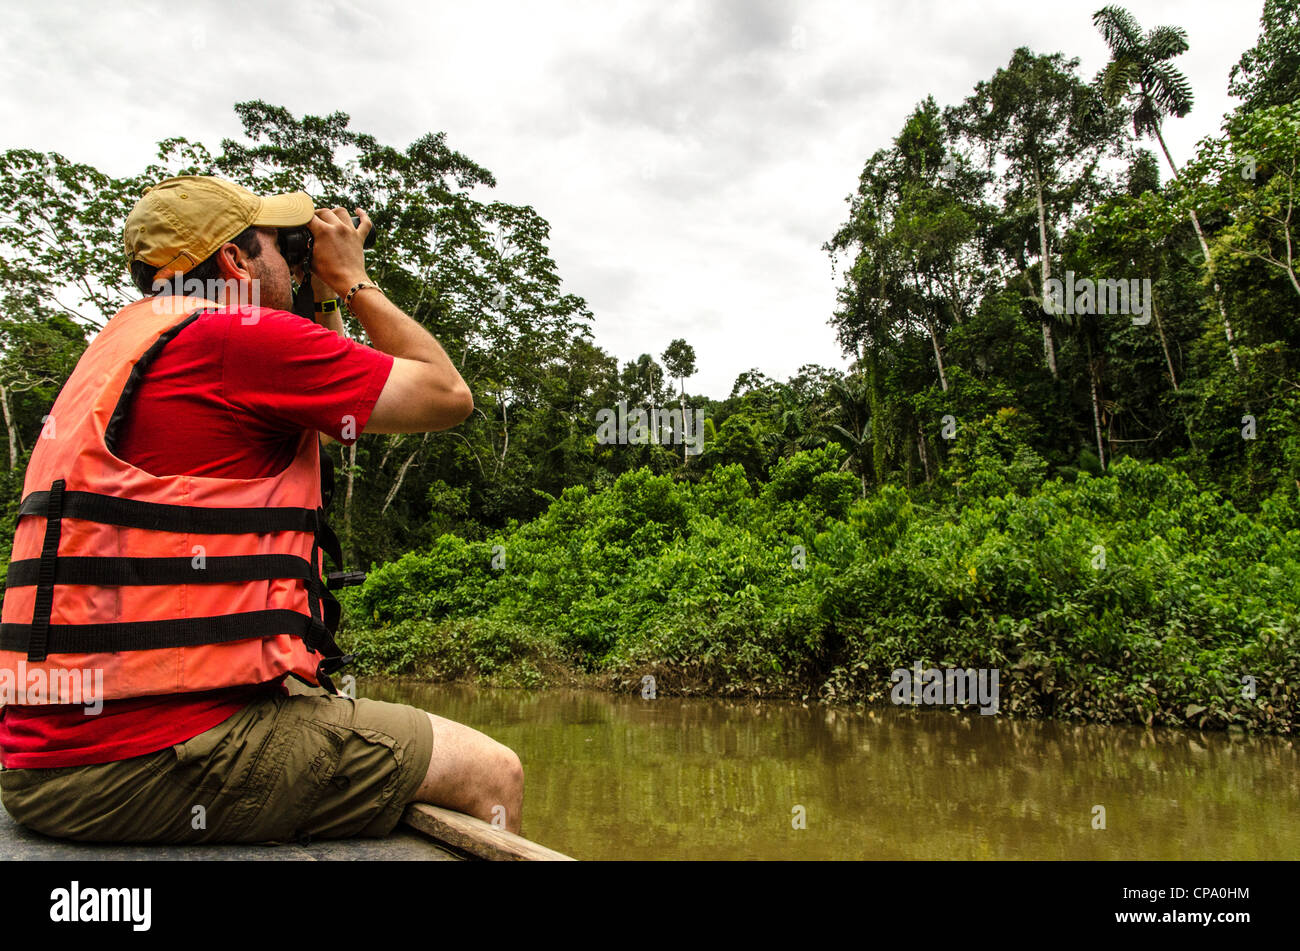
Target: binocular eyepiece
(296, 243)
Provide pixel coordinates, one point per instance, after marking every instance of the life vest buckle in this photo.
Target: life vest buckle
(343, 579)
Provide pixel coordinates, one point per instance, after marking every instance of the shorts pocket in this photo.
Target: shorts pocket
(296, 772)
(358, 788)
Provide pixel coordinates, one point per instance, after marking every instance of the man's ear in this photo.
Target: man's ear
(232, 263)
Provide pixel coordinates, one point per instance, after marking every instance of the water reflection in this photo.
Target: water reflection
(614, 777)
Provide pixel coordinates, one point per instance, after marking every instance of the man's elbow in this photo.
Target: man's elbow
(463, 400)
(452, 407)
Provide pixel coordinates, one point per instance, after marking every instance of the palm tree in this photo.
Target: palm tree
(1139, 70)
(796, 427)
(851, 411)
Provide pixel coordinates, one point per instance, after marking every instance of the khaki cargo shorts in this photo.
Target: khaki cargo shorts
(283, 769)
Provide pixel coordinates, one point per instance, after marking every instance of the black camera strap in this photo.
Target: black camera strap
(304, 301)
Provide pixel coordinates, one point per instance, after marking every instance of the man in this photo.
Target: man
(189, 431)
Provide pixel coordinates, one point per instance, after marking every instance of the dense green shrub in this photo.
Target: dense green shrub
(1132, 597)
(453, 579)
(493, 652)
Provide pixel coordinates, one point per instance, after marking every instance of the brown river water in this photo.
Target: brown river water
(618, 777)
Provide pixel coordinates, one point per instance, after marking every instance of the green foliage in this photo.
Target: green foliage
(496, 653)
(814, 477)
(1191, 595)
(1255, 170)
(1143, 173)
(452, 579)
(1133, 597)
(993, 457)
(679, 360)
(1139, 70)
(11, 488)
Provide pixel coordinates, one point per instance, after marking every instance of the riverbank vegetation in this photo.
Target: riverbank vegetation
(1132, 597)
(1067, 445)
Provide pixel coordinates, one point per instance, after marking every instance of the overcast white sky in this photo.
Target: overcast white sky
(691, 157)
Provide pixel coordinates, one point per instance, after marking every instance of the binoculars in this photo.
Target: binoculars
(295, 244)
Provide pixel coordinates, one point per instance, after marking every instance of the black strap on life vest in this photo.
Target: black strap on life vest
(324, 607)
(111, 572)
(182, 519)
(110, 637)
(113, 429)
(38, 637)
(326, 478)
(329, 541)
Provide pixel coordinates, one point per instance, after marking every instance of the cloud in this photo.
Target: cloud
(691, 157)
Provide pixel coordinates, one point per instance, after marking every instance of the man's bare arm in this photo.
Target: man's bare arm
(424, 391)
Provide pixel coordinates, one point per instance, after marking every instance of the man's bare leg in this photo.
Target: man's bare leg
(472, 773)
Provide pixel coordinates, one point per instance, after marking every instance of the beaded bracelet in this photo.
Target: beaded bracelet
(347, 301)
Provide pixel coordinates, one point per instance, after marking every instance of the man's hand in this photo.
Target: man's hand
(338, 253)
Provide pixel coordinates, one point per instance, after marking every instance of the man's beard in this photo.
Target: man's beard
(274, 293)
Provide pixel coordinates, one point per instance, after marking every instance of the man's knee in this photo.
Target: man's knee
(471, 772)
(511, 771)
(503, 797)
(501, 777)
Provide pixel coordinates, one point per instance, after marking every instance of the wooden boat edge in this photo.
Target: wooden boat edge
(476, 838)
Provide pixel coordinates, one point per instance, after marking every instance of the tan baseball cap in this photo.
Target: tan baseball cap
(180, 222)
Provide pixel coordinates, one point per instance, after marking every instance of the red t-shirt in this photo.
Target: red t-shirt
(228, 397)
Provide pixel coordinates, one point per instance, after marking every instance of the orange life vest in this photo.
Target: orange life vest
(166, 584)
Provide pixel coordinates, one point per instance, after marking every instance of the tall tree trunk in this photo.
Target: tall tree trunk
(920, 445)
(1289, 267)
(953, 294)
(401, 474)
(938, 357)
(1209, 261)
(879, 445)
(9, 427)
(932, 330)
(681, 401)
(1049, 346)
(347, 503)
(1096, 405)
(505, 426)
(394, 441)
(1169, 361)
